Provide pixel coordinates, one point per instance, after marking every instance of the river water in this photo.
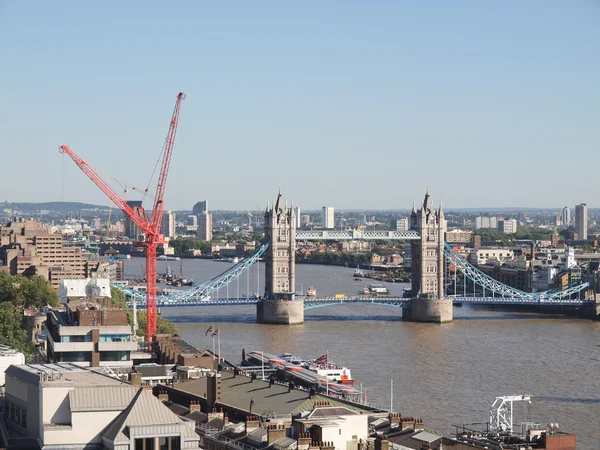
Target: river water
(446, 374)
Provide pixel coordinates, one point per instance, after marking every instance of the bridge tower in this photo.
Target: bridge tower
(428, 302)
(279, 305)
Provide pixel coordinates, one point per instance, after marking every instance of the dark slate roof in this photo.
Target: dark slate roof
(238, 392)
(197, 416)
(175, 408)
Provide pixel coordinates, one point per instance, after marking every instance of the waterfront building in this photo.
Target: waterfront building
(566, 216)
(328, 217)
(27, 248)
(200, 207)
(168, 224)
(132, 231)
(205, 226)
(581, 221)
(59, 406)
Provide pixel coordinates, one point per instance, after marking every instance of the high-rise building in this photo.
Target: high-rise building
(507, 226)
(132, 231)
(328, 217)
(566, 216)
(297, 215)
(581, 221)
(192, 221)
(205, 226)
(305, 220)
(200, 207)
(168, 224)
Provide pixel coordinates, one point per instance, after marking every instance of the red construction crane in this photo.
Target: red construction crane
(149, 226)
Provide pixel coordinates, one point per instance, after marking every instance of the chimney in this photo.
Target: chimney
(215, 413)
(195, 406)
(274, 432)
(382, 444)
(394, 418)
(251, 408)
(304, 440)
(163, 396)
(135, 378)
(252, 424)
(419, 425)
(327, 446)
(406, 423)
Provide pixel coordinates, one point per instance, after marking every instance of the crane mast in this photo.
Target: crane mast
(150, 227)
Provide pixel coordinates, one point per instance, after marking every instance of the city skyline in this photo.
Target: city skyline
(481, 104)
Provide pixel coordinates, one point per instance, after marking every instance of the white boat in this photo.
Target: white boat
(311, 292)
(168, 258)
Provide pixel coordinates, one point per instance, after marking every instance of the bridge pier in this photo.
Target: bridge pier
(429, 310)
(280, 312)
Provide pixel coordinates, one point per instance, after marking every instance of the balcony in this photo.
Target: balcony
(60, 347)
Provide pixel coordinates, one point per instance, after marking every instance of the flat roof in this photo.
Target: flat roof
(238, 391)
(61, 374)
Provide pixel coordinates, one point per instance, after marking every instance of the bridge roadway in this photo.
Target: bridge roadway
(398, 302)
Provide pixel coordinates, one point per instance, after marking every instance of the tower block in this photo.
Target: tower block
(279, 305)
(428, 300)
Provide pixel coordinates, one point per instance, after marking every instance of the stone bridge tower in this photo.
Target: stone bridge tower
(279, 305)
(280, 231)
(428, 304)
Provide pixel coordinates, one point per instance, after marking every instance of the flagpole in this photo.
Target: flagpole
(213, 339)
(219, 342)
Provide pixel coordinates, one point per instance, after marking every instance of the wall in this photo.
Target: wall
(86, 428)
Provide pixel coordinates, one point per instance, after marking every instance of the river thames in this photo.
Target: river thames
(446, 374)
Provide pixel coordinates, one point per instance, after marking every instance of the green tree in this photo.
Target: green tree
(7, 287)
(163, 326)
(12, 329)
(37, 292)
(118, 299)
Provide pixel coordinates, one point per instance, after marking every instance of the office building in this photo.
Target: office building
(328, 217)
(200, 207)
(581, 221)
(168, 224)
(132, 231)
(566, 216)
(27, 248)
(205, 226)
(90, 331)
(305, 220)
(298, 217)
(58, 406)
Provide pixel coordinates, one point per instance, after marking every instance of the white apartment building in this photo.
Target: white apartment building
(328, 217)
(483, 255)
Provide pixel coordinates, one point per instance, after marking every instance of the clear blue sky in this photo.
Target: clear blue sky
(349, 104)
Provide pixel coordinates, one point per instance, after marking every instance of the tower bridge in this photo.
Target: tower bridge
(428, 301)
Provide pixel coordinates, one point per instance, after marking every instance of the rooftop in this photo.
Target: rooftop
(238, 391)
(61, 374)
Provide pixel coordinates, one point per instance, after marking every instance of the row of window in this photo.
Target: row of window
(16, 414)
